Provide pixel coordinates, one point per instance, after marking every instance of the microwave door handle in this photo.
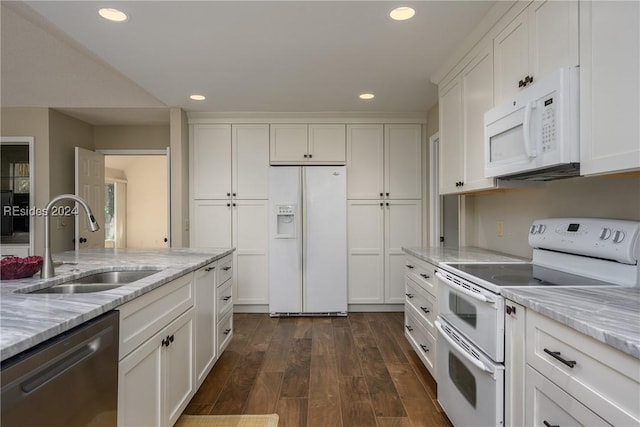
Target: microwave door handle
(477, 363)
(528, 111)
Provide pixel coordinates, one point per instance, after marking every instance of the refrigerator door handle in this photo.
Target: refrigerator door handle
(303, 236)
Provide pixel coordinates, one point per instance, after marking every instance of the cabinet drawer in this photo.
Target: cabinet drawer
(423, 273)
(421, 340)
(602, 378)
(141, 318)
(224, 299)
(423, 302)
(225, 332)
(225, 269)
(547, 404)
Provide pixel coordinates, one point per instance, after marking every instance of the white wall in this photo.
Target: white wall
(615, 196)
(146, 178)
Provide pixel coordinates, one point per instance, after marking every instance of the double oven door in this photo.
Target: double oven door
(470, 352)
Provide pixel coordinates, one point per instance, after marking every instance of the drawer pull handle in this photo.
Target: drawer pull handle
(226, 331)
(409, 266)
(208, 269)
(425, 276)
(226, 268)
(226, 298)
(425, 310)
(424, 348)
(409, 328)
(547, 424)
(556, 355)
(409, 296)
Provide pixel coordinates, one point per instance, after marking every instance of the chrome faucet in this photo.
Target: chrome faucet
(47, 270)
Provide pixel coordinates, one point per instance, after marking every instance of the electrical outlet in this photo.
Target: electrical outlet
(500, 228)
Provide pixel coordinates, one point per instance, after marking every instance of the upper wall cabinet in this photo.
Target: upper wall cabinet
(609, 87)
(384, 161)
(542, 38)
(462, 105)
(308, 144)
(230, 161)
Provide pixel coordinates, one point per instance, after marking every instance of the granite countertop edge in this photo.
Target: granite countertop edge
(27, 320)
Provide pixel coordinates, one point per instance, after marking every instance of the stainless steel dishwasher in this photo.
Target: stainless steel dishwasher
(69, 380)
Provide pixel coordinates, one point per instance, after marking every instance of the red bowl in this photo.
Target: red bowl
(14, 267)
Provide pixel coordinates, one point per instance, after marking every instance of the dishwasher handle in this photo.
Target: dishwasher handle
(75, 356)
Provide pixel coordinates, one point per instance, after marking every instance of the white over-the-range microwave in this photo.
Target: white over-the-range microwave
(535, 135)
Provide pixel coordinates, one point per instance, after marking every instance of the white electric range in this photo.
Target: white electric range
(567, 252)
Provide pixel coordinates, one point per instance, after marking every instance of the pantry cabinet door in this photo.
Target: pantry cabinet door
(403, 161)
(511, 50)
(211, 224)
(289, 143)
(403, 228)
(250, 238)
(365, 161)
(211, 168)
(250, 156)
(365, 242)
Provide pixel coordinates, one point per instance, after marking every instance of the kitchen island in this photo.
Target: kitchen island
(30, 319)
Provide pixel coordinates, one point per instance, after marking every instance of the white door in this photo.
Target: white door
(251, 240)
(511, 50)
(211, 168)
(211, 224)
(365, 162)
(289, 143)
(250, 155)
(451, 144)
(403, 161)
(327, 143)
(205, 321)
(325, 239)
(90, 186)
(178, 367)
(403, 228)
(366, 251)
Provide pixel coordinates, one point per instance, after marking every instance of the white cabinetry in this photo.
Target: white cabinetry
(205, 321)
(224, 304)
(155, 372)
(307, 144)
(384, 208)
(421, 310)
(573, 378)
(463, 102)
(235, 215)
(539, 40)
(609, 87)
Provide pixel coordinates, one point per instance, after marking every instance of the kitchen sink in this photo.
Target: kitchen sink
(96, 282)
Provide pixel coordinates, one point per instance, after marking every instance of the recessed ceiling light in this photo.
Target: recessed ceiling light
(367, 96)
(402, 13)
(113, 14)
(198, 97)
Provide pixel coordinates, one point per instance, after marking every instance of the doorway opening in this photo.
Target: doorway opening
(136, 199)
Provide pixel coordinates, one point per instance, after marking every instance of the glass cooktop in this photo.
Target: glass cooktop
(523, 274)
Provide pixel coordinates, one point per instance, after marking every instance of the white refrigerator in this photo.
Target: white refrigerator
(307, 240)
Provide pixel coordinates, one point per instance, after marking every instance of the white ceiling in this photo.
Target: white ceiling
(245, 56)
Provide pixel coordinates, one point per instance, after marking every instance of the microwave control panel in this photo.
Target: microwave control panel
(548, 124)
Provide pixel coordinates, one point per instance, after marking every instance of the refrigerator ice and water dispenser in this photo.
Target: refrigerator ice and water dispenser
(285, 222)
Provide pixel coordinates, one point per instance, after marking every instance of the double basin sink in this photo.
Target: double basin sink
(96, 282)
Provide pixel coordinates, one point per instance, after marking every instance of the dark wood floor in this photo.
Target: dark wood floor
(322, 372)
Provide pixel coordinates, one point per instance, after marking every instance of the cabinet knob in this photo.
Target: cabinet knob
(234, 204)
(381, 194)
(305, 156)
(226, 268)
(228, 194)
(521, 83)
(387, 203)
(234, 194)
(228, 204)
(387, 194)
(310, 155)
(208, 269)
(381, 204)
(226, 298)
(226, 331)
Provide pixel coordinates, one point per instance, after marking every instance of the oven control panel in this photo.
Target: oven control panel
(613, 239)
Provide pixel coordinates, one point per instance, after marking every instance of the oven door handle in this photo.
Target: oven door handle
(477, 363)
(460, 289)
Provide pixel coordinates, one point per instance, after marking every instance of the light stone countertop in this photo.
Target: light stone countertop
(29, 319)
(435, 255)
(609, 314)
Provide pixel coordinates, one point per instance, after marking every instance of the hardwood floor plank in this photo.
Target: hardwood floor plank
(323, 381)
(276, 357)
(425, 415)
(393, 422)
(340, 321)
(303, 327)
(358, 323)
(324, 412)
(296, 376)
(385, 338)
(355, 404)
(346, 357)
(197, 409)
(263, 333)
(233, 396)
(322, 340)
(384, 396)
(406, 381)
(292, 412)
(217, 378)
(263, 397)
